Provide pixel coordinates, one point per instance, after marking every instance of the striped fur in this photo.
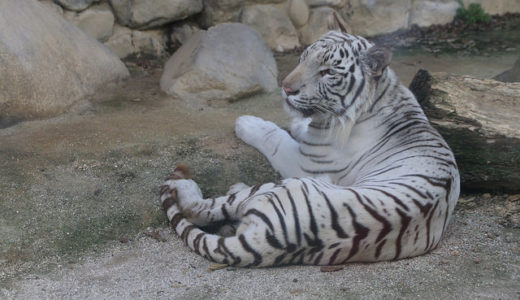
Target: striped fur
(368, 178)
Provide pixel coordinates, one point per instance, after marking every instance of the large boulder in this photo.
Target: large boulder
(47, 65)
(479, 120)
(273, 24)
(144, 14)
(226, 62)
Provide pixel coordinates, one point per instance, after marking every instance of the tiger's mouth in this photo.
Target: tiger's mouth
(306, 112)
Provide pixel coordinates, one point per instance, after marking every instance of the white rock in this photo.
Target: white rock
(75, 5)
(48, 65)
(273, 24)
(144, 14)
(226, 62)
(97, 21)
(432, 12)
(298, 12)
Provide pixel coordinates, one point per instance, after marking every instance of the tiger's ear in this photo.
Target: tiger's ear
(337, 24)
(378, 58)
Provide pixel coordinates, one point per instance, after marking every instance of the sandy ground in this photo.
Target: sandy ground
(479, 258)
(79, 193)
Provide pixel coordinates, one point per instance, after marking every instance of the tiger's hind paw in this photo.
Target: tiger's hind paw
(182, 171)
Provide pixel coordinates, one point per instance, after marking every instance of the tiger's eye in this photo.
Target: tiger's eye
(327, 72)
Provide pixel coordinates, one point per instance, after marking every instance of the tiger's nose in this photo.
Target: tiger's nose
(289, 91)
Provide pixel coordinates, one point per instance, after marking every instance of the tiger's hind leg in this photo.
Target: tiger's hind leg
(239, 249)
(204, 212)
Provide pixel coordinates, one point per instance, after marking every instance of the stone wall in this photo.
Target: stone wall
(141, 27)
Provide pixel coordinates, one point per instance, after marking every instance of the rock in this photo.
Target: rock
(317, 25)
(149, 42)
(298, 12)
(512, 75)
(226, 62)
(369, 17)
(142, 14)
(47, 65)
(97, 21)
(125, 42)
(75, 5)
(333, 3)
(180, 34)
(121, 41)
(274, 26)
(433, 12)
(479, 120)
(216, 12)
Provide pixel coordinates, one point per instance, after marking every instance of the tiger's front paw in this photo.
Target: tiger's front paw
(254, 130)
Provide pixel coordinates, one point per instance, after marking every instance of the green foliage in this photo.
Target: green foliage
(473, 14)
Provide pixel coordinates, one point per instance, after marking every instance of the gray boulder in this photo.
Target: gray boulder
(47, 65)
(144, 14)
(226, 62)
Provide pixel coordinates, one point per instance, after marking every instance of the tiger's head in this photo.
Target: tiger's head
(335, 77)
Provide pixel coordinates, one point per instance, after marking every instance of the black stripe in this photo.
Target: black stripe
(290, 247)
(296, 218)
(361, 233)
(405, 221)
(333, 256)
(196, 242)
(205, 248)
(387, 226)
(256, 255)
(254, 189)
(224, 211)
(262, 216)
(186, 232)
(334, 217)
(428, 225)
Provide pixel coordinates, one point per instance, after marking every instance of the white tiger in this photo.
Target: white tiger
(369, 179)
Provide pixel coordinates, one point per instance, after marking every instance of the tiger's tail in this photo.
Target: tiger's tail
(233, 250)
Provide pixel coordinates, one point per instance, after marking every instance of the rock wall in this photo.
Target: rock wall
(141, 27)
